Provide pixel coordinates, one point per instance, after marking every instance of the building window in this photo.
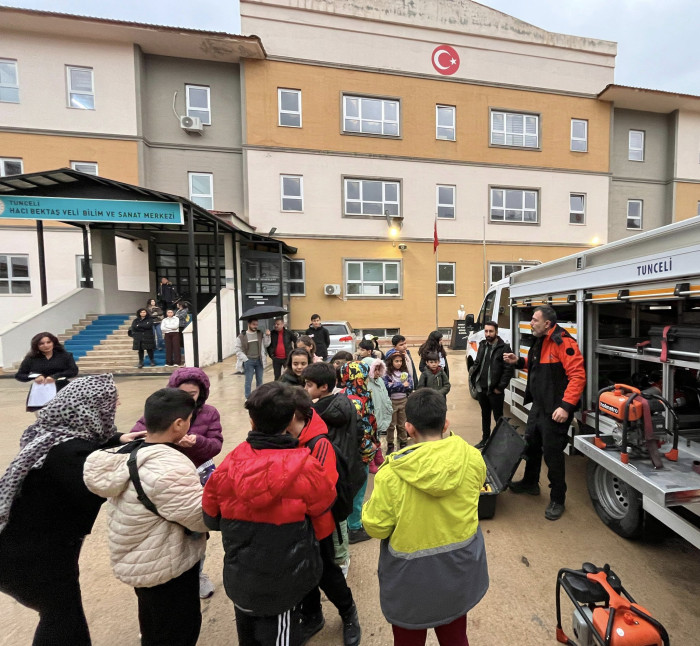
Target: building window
(10, 166)
(372, 278)
(577, 208)
(635, 210)
(446, 278)
(371, 197)
(500, 270)
(513, 205)
(89, 168)
(289, 107)
(579, 135)
(386, 332)
(9, 81)
(371, 116)
(14, 274)
(636, 145)
(514, 129)
(297, 278)
(80, 270)
(198, 100)
(202, 189)
(292, 192)
(445, 197)
(81, 91)
(445, 122)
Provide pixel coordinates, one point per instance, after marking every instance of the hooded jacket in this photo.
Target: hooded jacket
(260, 500)
(424, 507)
(353, 379)
(205, 424)
(325, 454)
(383, 410)
(147, 550)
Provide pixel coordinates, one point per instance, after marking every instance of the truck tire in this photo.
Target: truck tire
(617, 504)
(472, 389)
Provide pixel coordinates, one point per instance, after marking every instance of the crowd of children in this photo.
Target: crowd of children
(288, 501)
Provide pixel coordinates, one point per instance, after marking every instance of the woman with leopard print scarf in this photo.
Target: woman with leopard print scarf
(46, 510)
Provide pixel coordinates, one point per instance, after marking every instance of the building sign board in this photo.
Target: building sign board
(65, 209)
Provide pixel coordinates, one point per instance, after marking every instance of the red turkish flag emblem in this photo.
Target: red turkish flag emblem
(445, 60)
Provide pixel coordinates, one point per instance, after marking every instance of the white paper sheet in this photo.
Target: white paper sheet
(41, 394)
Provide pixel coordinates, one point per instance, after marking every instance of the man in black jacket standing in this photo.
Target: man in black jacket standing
(490, 377)
(320, 335)
(281, 344)
(167, 295)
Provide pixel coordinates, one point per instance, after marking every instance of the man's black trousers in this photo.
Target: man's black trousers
(546, 437)
(490, 404)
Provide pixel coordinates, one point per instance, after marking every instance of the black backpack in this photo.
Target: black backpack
(342, 507)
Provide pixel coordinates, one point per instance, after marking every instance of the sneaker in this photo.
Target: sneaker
(345, 566)
(389, 448)
(520, 486)
(140, 364)
(402, 445)
(357, 535)
(206, 587)
(311, 625)
(554, 511)
(352, 633)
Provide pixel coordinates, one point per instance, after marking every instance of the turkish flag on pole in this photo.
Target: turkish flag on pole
(436, 242)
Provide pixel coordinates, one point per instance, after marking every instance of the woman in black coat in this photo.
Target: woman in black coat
(141, 332)
(46, 510)
(47, 362)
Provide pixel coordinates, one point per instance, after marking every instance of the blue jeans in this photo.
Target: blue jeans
(159, 337)
(355, 519)
(250, 367)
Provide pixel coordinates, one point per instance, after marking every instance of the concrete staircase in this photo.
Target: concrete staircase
(114, 354)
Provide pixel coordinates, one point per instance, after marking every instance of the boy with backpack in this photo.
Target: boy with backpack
(264, 497)
(155, 523)
(312, 433)
(424, 507)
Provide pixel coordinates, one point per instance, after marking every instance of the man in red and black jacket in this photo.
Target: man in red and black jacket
(556, 378)
(282, 343)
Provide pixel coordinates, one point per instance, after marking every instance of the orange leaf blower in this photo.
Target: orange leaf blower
(605, 614)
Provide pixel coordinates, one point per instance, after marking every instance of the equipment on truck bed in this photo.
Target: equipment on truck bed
(605, 614)
(640, 427)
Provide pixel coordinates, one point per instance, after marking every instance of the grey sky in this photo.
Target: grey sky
(654, 38)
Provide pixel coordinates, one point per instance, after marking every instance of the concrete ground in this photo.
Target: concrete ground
(525, 551)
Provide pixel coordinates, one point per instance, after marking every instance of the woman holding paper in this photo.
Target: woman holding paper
(49, 366)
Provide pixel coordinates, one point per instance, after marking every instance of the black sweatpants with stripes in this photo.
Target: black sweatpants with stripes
(277, 630)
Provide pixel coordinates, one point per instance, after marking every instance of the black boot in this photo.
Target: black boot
(481, 444)
(352, 633)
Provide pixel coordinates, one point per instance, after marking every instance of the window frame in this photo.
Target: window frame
(584, 139)
(630, 149)
(291, 197)
(281, 111)
(361, 282)
(73, 165)
(80, 92)
(522, 113)
(10, 279)
(640, 216)
(3, 168)
(453, 206)
(11, 61)
(452, 282)
(503, 265)
(524, 190)
(369, 97)
(80, 278)
(188, 107)
(453, 108)
(582, 212)
(297, 281)
(190, 176)
(384, 181)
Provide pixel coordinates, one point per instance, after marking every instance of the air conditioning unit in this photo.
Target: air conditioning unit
(331, 290)
(191, 124)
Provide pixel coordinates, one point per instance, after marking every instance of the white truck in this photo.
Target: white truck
(634, 308)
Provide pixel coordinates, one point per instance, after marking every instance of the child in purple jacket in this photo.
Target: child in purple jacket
(204, 440)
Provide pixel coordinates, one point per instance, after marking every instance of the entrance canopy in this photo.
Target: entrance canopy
(93, 202)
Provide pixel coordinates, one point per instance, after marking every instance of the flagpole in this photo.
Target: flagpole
(436, 244)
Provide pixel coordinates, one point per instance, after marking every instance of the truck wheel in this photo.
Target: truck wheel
(472, 388)
(618, 505)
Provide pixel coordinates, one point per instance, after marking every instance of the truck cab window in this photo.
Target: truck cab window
(486, 313)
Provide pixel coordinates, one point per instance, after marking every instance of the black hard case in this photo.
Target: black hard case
(502, 454)
(681, 338)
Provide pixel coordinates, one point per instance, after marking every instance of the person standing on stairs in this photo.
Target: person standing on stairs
(141, 331)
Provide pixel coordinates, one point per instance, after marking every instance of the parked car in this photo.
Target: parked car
(342, 337)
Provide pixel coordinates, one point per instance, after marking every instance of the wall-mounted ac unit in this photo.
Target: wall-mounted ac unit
(191, 124)
(331, 290)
